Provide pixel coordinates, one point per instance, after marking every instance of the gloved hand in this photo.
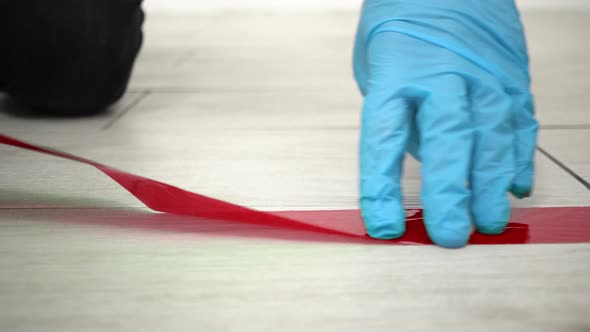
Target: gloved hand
(447, 81)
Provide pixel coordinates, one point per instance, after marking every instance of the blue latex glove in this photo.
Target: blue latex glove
(447, 81)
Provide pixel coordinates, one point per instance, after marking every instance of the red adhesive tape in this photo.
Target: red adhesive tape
(534, 225)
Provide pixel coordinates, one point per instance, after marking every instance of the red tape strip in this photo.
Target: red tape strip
(535, 225)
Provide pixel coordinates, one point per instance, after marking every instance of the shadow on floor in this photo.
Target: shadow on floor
(13, 108)
(18, 199)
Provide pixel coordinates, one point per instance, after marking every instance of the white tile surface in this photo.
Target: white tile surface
(559, 67)
(261, 110)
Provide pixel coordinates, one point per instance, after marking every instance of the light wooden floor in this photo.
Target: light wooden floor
(261, 109)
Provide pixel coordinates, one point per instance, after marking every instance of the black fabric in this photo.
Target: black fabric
(68, 56)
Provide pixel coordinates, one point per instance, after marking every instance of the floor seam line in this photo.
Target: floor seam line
(564, 167)
(126, 110)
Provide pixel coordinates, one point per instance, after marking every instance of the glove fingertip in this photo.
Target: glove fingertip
(448, 225)
(491, 210)
(520, 191)
(492, 228)
(522, 184)
(450, 238)
(386, 231)
(384, 223)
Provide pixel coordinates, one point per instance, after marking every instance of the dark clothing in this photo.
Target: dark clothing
(68, 56)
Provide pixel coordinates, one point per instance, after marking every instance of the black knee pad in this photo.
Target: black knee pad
(70, 56)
